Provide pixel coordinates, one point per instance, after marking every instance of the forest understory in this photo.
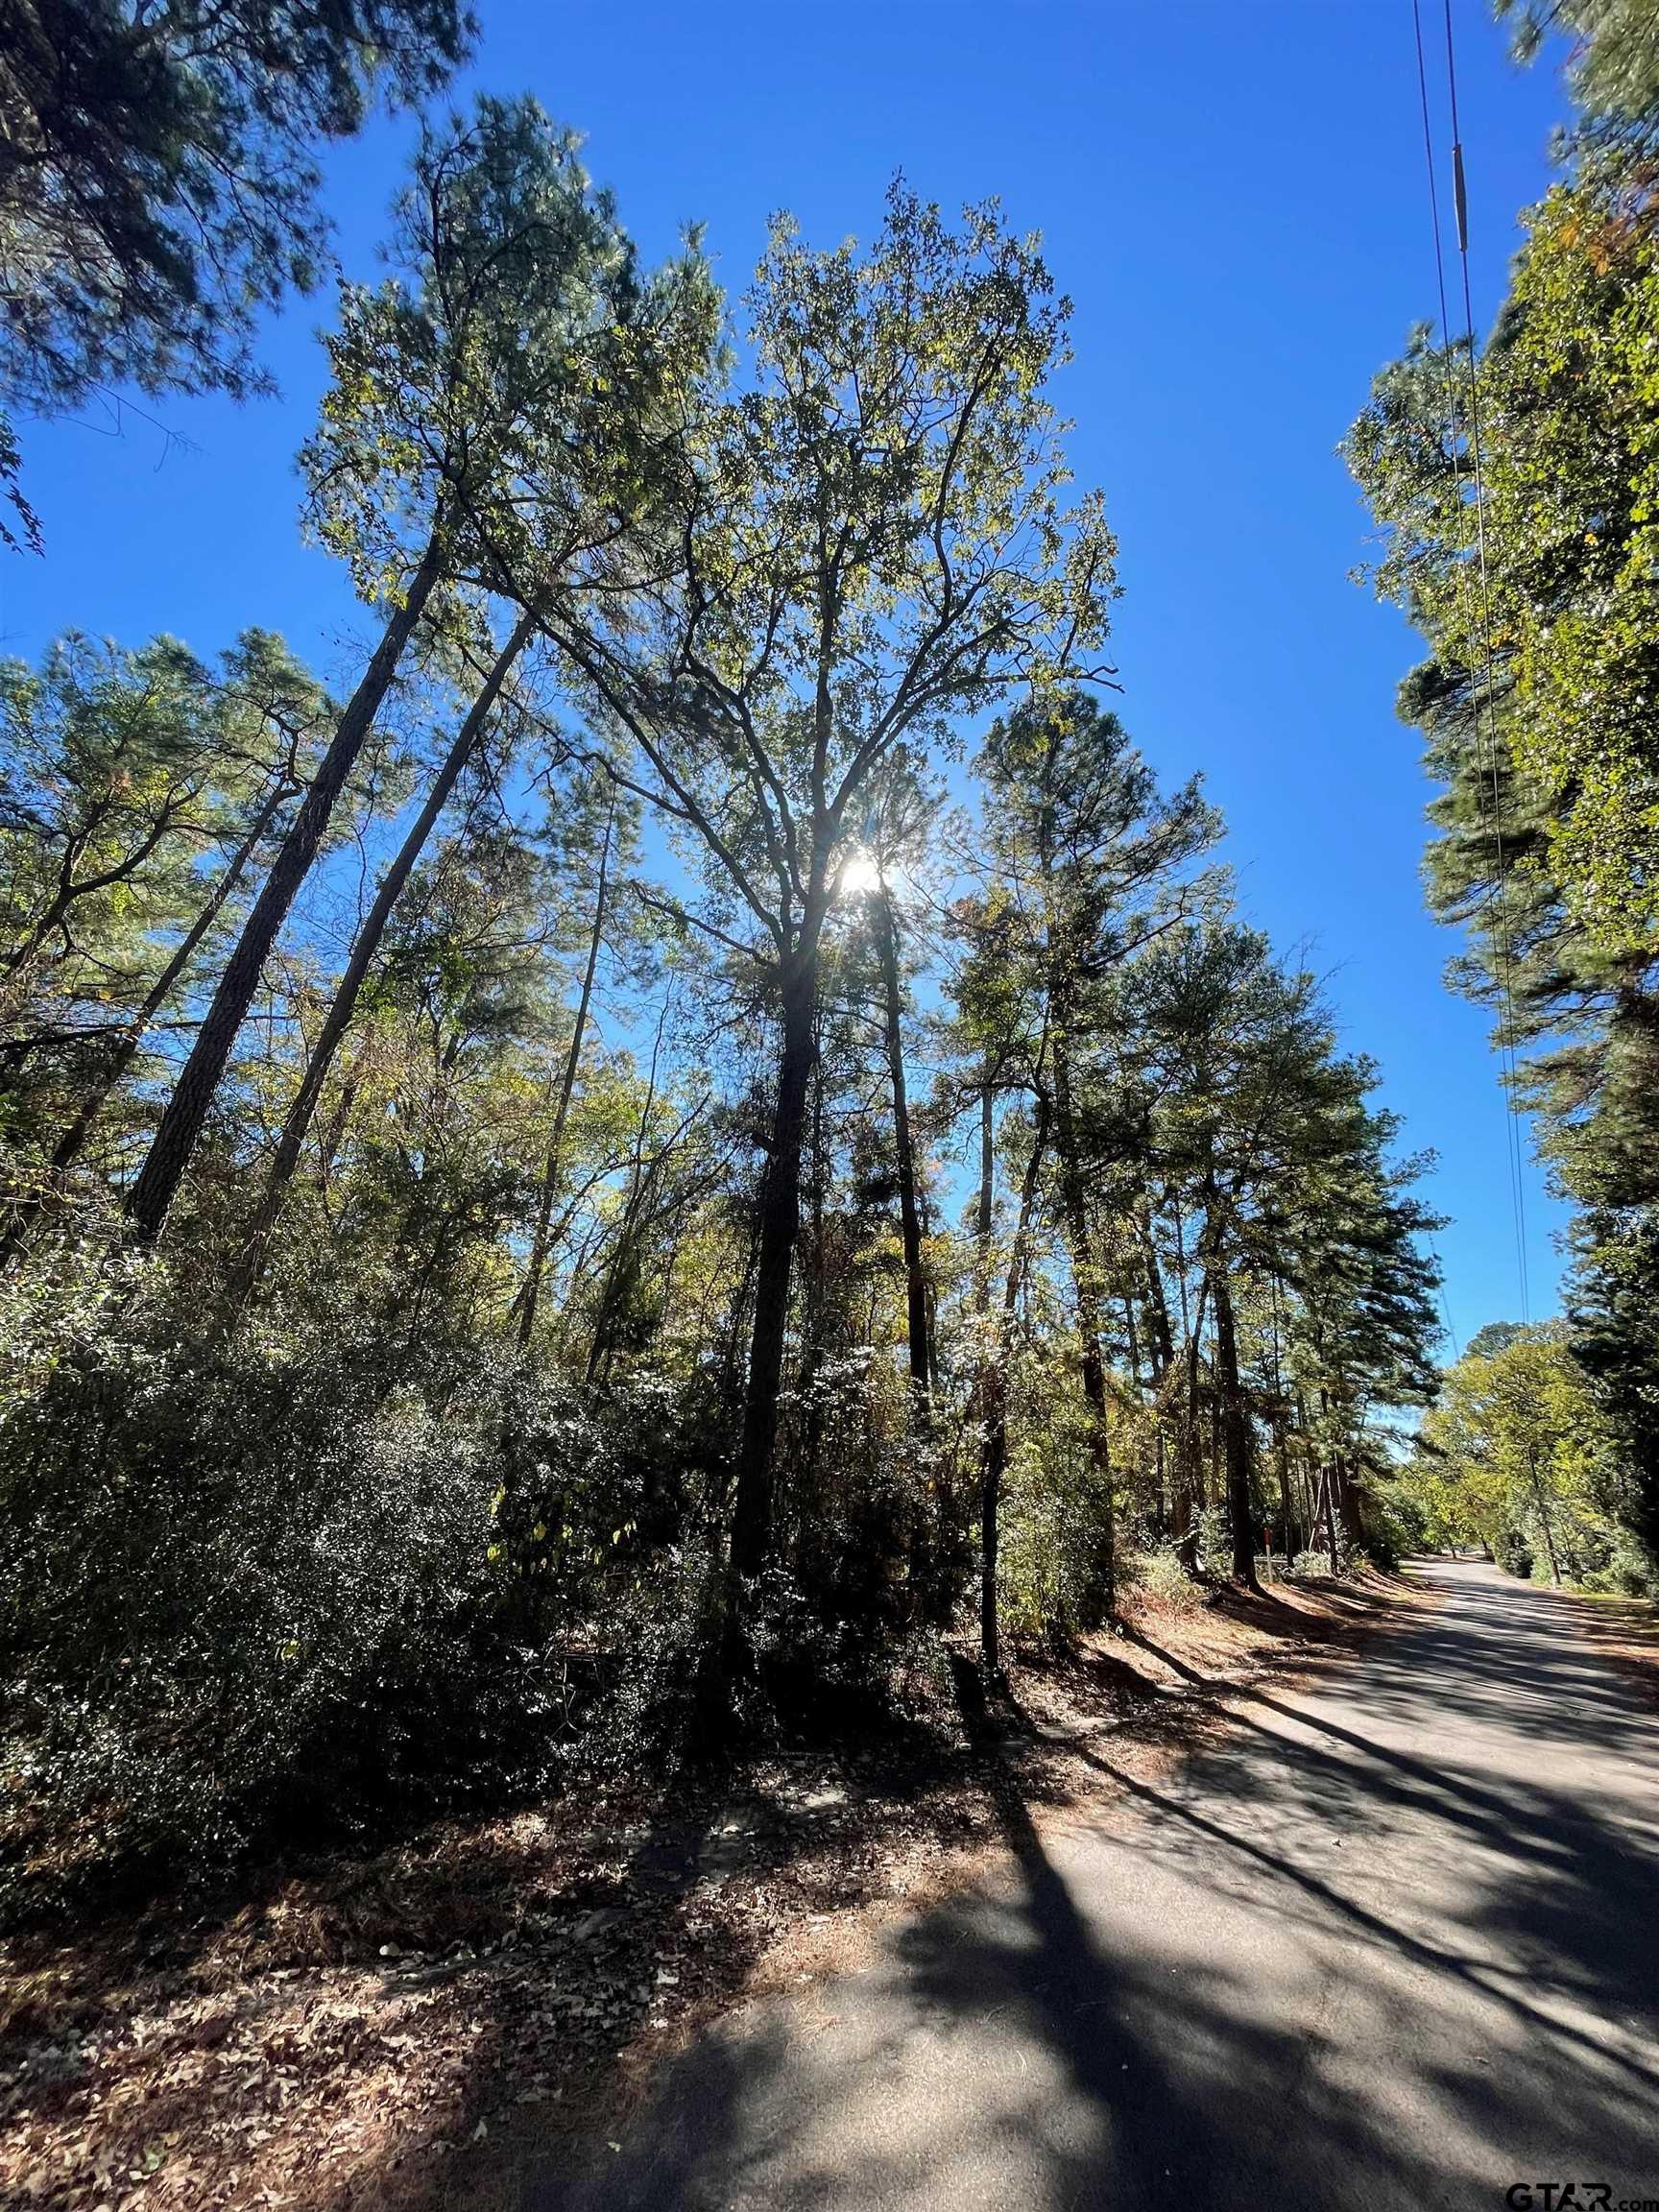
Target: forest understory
(385, 2026)
(636, 1137)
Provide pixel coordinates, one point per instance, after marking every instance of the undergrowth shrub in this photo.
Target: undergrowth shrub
(1159, 1576)
(1311, 1562)
(1628, 1573)
(1512, 1551)
(1051, 1524)
(251, 1590)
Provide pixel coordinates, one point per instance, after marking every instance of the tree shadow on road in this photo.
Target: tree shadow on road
(1001, 2052)
(1000, 2056)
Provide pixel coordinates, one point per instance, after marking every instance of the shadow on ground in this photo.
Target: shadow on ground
(1393, 1943)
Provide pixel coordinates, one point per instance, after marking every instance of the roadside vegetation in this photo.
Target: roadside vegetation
(694, 1161)
(1518, 1456)
(1535, 705)
(704, 1130)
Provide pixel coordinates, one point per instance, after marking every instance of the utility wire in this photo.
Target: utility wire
(1506, 1034)
(1445, 1302)
(1505, 957)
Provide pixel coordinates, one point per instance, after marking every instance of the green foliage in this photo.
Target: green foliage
(259, 1590)
(1567, 404)
(616, 1347)
(1518, 1456)
(509, 385)
(1614, 65)
(157, 191)
(1163, 1580)
(22, 533)
(1053, 1510)
(1536, 702)
(875, 545)
(135, 792)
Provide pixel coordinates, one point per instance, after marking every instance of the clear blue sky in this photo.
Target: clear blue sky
(1234, 196)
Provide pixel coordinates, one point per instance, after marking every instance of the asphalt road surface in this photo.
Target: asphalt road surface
(1394, 1943)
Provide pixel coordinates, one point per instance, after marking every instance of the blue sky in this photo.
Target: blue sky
(1234, 196)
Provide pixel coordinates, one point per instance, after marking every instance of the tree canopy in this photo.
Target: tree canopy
(711, 1130)
(1537, 702)
(158, 180)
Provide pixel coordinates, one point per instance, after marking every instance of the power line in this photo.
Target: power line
(1445, 1302)
(1505, 957)
(1506, 1034)
(1434, 193)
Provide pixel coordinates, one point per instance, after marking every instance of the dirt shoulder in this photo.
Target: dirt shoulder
(377, 2031)
(1622, 1630)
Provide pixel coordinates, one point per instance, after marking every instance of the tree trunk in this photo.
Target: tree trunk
(162, 989)
(1157, 1305)
(531, 1292)
(986, 1212)
(815, 1287)
(1189, 1470)
(364, 947)
(1545, 1528)
(994, 1397)
(97, 1093)
(909, 1216)
(180, 1126)
(622, 1257)
(1235, 1430)
(1348, 1505)
(1282, 1456)
(779, 1218)
(1099, 1586)
(1327, 1487)
(1132, 1337)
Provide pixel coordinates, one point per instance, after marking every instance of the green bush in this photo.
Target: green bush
(1160, 1575)
(1628, 1573)
(251, 1590)
(1512, 1551)
(1050, 1529)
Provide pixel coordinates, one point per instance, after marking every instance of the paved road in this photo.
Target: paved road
(1395, 1943)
